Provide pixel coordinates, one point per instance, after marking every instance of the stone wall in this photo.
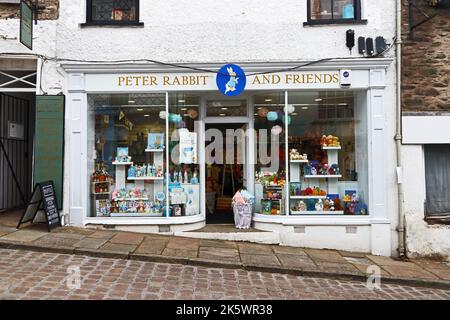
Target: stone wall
(426, 61)
(48, 10)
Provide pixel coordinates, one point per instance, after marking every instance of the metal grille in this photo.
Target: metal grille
(114, 10)
(15, 110)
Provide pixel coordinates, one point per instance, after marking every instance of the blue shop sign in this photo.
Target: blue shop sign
(231, 80)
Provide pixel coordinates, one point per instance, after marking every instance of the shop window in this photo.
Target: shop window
(437, 178)
(184, 169)
(126, 155)
(226, 108)
(334, 11)
(112, 12)
(270, 154)
(328, 163)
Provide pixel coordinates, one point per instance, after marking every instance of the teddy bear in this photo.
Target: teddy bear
(294, 154)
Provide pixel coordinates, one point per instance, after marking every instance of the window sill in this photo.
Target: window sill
(333, 22)
(443, 219)
(112, 24)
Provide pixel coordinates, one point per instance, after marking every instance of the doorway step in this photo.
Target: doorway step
(229, 232)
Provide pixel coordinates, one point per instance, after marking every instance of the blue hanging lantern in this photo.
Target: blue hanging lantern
(272, 116)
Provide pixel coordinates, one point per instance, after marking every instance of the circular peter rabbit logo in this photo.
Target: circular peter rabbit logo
(231, 80)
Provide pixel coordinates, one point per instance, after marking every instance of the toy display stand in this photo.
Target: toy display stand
(152, 185)
(325, 182)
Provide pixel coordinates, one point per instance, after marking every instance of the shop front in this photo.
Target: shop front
(158, 149)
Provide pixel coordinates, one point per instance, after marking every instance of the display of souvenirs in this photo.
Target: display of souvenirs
(295, 189)
(122, 155)
(103, 207)
(315, 168)
(101, 187)
(299, 206)
(155, 141)
(100, 174)
(295, 155)
(330, 141)
(315, 191)
(353, 204)
(270, 178)
(149, 170)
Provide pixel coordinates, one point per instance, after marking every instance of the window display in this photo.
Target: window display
(270, 165)
(327, 154)
(127, 140)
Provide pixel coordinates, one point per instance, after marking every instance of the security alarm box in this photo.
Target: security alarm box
(346, 78)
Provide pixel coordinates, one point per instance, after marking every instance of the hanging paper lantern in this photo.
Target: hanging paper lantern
(272, 116)
(175, 118)
(289, 119)
(290, 109)
(276, 130)
(193, 114)
(162, 115)
(263, 112)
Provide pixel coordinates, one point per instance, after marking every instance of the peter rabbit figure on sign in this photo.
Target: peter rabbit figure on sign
(231, 80)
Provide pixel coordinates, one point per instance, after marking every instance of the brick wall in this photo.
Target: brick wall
(426, 61)
(49, 10)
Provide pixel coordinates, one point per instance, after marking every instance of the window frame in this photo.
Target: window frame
(90, 22)
(356, 20)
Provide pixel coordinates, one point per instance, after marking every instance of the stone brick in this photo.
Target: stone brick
(49, 10)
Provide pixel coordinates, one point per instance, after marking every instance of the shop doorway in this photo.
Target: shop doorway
(226, 170)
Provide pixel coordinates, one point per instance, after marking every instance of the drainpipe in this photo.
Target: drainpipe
(398, 134)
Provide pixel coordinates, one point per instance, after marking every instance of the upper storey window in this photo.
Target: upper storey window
(112, 12)
(334, 11)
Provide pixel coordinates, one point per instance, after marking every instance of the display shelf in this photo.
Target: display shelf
(307, 197)
(154, 150)
(95, 182)
(118, 163)
(145, 178)
(100, 193)
(318, 176)
(331, 148)
(130, 199)
(126, 214)
(317, 213)
(299, 161)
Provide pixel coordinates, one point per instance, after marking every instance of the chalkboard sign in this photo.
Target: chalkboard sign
(44, 197)
(49, 142)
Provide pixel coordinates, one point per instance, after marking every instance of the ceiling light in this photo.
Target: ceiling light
(294, 114)
(183, 109)
(181, 101)
(343, 104)
(224, 108)
(259, 108)
(186, 115)
(305, 108)
(140, 109)
(146, 115)
(318, 99)
(222, 114)
(131, 101)
(268, 100)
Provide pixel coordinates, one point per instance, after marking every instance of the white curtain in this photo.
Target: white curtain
(437, 176)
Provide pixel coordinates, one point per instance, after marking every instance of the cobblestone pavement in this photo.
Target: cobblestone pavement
(37, 275)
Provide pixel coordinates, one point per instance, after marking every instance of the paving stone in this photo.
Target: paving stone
(386, 261)
(118, 247)
(289, 250)
(325, 255)
(24, 235)
(260, 260)
(73, 230)
(443, 274)
(52, 240)
(217, 244)
(219, 254)
(183, 243)
(152, 247)
(337, 268)
(127, 238)
(296, 261)
(252, 249)
(102, 234)
(428, 264)
(182, 253)
(154, 236)
(7, 229)
(361, 261)
(363, 268)
(74, 236)
(352, 254)
(90, 243)
(408, 272)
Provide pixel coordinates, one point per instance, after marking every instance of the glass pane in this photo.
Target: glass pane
(126, 158)
(437, 176)
(321, 9)
(270, 167)
(327, 153)
(184, 185)
(226, 108)
(117, 10)
(343, 9)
